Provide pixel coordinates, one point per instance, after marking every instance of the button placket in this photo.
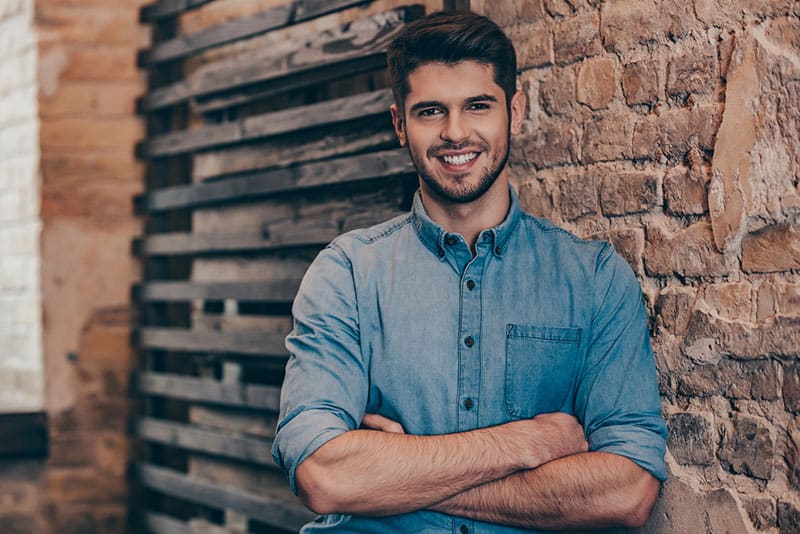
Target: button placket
(469, 350)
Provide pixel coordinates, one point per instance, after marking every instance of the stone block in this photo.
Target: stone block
(748, 447)
(607, 138)
(791, 386)
(537, 199)
(709, 337)
(731, 301)
(674, 307)
(557, 91)
(597, 82)
(642, 81)
(775, 248)
(552, 143)
(694, 72)
(558, 8)
(748, 380)
(577, 37)
(692, 439)
(629, 243)
(688, 252)
(673, 134)
(534, 44)
(578, 195)
(686, 190)
(761, 511)
(629, 192)
(629, 24)
(788, 518)
(530, 10)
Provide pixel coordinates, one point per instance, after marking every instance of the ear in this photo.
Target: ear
(399, 123)
(518, 104)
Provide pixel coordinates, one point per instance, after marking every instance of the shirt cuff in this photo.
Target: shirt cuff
(643, 446)
(301, 435)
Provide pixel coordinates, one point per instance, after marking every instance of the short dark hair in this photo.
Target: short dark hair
(449, 38)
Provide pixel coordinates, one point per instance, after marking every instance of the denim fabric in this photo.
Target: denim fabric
(402, 320)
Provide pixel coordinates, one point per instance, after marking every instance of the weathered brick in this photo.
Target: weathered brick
(748, 447)
(730, 12)
(687, 252)
(597, 82)
(692, 73)
(73, 485)
(791, 386)
(530, 10)
(578, 195)
(773, 249)
(537, 199)
(715, 337)
(673, 133)
(674, 307)
(628, 24)
(557, 91)
(731, 301)
(686, 190)
(748, 380)
(642, 81)
(577, 37)
(761, 511)
(84, 519)
(97, 98)
(18, 496)
(84, 133)
(20, 524)
(629, 243)
(116, 25)
(558, 8)
(534, 44)
(552, 143)
(629, 192)
(72, 168)
(788, 518)
(607, 138)
(691, 438)
(101, 64)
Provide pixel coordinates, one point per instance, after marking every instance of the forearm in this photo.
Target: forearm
(589, 490)
(366, 472)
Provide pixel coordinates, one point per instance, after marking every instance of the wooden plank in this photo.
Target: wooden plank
(208, 391)
(268, 344)
(269, 124)
(242, 28)
(269, 510)
(363, 39)
(227, 420)
(24, 435)
(248, 477)
(163, 524)
(168, 8)
(337, 171)
(259, 291)
(215, 442)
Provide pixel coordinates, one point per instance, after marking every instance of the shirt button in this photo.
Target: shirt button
(464, 529)
(468, 404)
(470, 284)
(441, 253)
(468, 341)
(450, 240)
(498, 250)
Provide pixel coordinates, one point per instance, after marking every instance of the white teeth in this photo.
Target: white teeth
(460, 159)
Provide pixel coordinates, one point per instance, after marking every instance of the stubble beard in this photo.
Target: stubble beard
(465, 193)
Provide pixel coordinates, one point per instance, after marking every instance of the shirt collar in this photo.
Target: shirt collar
(433, 236)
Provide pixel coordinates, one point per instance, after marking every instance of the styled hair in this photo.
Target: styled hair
(449, 38)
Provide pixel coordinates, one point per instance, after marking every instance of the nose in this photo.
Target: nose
(454, 129)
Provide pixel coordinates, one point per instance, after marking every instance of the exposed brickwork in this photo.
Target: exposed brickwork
(670, 128)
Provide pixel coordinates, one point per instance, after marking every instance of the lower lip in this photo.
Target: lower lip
(459, 168)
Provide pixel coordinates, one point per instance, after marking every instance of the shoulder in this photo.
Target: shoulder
(543, 233)
(351, 243)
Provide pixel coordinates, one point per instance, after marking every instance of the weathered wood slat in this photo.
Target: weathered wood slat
(24, 435)
(269, 124)
(168, 8)
(188, 437)
(267, 344)
(184, 243)
(271, 19)
(343, 170)
(266, 291)
(272, 511)
(209, 391)
(363, 39)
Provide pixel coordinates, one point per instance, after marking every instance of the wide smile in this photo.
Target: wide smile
(458, 162)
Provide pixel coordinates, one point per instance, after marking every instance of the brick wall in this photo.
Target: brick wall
(20, 316)
(671, 129)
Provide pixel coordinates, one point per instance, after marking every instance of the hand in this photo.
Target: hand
(562, 435)
(374, 421)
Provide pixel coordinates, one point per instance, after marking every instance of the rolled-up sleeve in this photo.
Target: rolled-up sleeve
(324, 392)
(617, 396)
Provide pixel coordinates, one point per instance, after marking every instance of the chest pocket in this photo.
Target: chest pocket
(541, 366)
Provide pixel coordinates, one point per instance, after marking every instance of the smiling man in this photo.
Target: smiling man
(468, 367)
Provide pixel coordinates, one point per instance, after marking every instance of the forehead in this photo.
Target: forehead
(455, 82)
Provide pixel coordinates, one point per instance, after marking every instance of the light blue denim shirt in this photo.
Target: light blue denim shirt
(402, 320)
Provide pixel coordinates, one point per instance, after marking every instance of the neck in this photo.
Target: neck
(471, 218)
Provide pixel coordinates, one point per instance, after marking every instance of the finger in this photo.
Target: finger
(384, 424)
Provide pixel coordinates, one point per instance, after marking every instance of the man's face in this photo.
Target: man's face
(457, 127)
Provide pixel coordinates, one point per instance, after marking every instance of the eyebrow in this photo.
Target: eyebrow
(435, 103)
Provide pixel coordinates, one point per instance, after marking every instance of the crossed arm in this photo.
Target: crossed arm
(532, 473)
